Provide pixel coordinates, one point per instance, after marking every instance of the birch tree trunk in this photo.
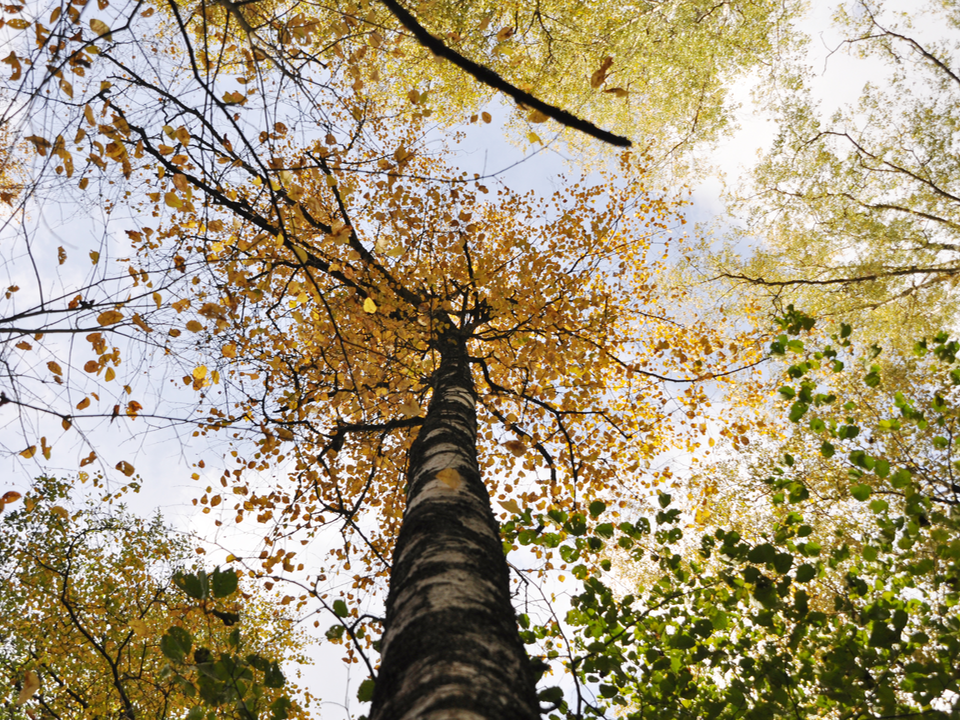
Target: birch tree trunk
(451, 648)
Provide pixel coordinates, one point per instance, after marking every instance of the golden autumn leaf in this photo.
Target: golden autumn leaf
(199, 373)
(369, 306)
(510, 506)
(229, 350)
(60, 512)
(91, 366)
(516, 447)
(55, 368)
(450, 477)
(600, 75)
(140, 627)
(126, 468)
(9, 497)
(537, 117)
(100, 28)
(110, 317)
(410, 408)
(29, 452)
(31, 683)
(194, 326)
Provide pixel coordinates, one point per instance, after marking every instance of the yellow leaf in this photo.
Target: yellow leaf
(10, 496)
(31, 683)
(485, 116)
(534, 138)
(157, 299)
(411, 408)
(54, 368)
(619, 92)
(109, 375)
(516, 447)
(194, 326)
(126, 468)
(140, 627)
(110, 317)
(60, 512)
(88, 115)
(301, 253)
(537, 117)
(91, 366)
(171, 199)
(18, 23)
(100, 28)
(229, 350)
(200, 372)
(369, 306)
(510, 506)
(450, 477)
(29, 452)
(598, 77)
(83, 183)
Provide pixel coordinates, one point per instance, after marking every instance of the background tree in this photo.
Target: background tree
(855, 216)
(92, 601)
(834, 591)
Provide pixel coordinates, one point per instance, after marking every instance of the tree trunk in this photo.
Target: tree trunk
(451, 648)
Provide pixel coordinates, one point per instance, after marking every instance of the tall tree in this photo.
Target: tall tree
(345, 279)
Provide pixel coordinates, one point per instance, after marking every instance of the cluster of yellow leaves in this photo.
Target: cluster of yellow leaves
(87, 602)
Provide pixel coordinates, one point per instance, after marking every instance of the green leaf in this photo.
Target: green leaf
(280, 708)
(176, 643)
(900, 479)
(273, 677)
(861, 492)
(806, 573)
(597, 507)
(340, 608)
(193, 585)
(550, 695)
(224, 583)
(827, 449)
(783, 562)
(365, 691)
(762, 554)
(797, 411)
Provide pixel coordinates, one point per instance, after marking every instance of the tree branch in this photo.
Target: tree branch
(492, 79)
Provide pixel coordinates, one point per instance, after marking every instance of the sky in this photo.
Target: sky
(165, 458)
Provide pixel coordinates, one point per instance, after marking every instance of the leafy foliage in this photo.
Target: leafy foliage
(798, 612)
(94, 620)
(856, 214)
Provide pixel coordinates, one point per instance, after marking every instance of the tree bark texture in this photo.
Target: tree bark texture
(451, 649)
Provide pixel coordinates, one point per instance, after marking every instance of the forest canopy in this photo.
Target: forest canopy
(500, 447)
